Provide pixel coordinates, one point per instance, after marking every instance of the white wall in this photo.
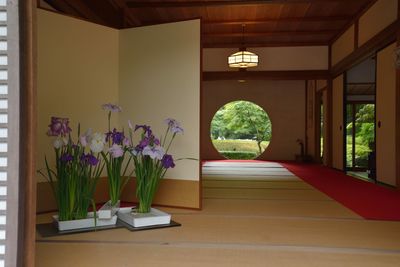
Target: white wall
(377, 18)
(271, 58)
(284, 102)
(77, 73)
(343, 46)
(160, 78)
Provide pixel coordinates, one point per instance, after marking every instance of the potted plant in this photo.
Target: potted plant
(117, 159)
(73, 180)
(151, 162)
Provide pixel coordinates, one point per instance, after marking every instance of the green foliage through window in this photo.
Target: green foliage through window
(237, 122)
(364, 133)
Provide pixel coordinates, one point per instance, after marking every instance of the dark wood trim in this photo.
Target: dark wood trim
(266, 75)
(306, 84)
(344, 119)
(397, 129)
(398, 9)
(176, 4)
(361, 83)
(287, 19)
(353, 133)
(268, 33)
(360, 102)
(356, 33)
(362, 11)
(200, 119)
(28, 119)
(170, 21)
(329, 124)
(132, 26)
(103, 12)
(262, 44)
(382, 39)
(127, 18)
(330, 56)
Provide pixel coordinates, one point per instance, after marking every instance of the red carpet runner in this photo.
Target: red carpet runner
(368, 200)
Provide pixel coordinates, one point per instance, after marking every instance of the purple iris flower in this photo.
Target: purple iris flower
(156, 152)
(167, 161)
(156, 141)
(116, 137)
(126, 141)
(146, 129)
(136, 151)
(177, 129)
(148, 141)
(116, 151)
(59, 127)
(89, 159)
(144, 142)
(66, 157)
(174, 126)
(111, 107)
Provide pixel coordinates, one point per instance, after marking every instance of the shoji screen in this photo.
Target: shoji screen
(386, 116)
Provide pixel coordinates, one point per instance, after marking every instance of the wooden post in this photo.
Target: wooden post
(27, 186)
(397, 126)
(329, 126)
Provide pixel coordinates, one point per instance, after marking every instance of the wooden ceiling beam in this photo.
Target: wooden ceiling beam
(103, 12)
(289, 19)
(174, 4)
(264, 44)
(106, 11)
(66, 8)
(128, 17)
(266, 75)
(271, 33)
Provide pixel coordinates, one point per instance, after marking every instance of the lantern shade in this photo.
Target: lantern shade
(243, 59)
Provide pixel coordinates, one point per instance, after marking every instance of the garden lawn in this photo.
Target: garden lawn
(239, 149)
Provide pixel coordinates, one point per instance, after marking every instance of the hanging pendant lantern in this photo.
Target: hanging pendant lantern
(243, 59)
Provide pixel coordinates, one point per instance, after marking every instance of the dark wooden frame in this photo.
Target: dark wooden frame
(266, 75)
(397, 126)
(27, 186)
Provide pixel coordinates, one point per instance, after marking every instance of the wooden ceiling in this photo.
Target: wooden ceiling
(267, 23)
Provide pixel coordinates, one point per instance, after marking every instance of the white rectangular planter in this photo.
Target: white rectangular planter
(83, 223)
(154, 217)
(107, 210)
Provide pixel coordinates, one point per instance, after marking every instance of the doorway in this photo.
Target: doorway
(360, 120)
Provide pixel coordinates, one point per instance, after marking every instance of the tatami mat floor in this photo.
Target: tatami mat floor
(243, 223)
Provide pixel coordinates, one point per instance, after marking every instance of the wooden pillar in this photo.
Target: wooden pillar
(27, 186)
(329, 128)
(397, 126)
(397, 108)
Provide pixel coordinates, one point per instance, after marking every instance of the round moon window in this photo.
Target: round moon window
(241, 130)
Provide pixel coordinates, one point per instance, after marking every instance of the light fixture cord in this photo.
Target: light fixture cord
(242, 48)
